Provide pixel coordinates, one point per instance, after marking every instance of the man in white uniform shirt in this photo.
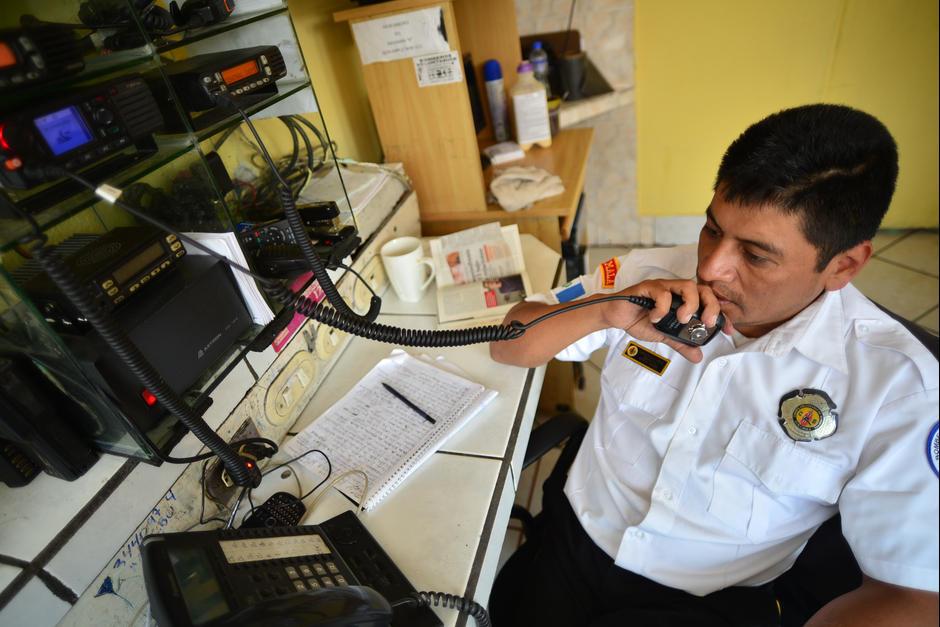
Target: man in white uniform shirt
(706, 469)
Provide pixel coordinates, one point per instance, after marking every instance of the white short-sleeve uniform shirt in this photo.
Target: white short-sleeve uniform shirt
(688, 477)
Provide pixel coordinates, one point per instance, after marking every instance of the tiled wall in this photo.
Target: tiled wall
(606, 28)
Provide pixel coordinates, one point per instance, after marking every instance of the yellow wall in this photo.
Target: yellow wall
(707, 70)
(333, 63)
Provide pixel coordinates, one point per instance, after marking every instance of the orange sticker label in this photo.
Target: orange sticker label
(609, 272)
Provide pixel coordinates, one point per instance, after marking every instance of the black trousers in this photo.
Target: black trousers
(561, 578)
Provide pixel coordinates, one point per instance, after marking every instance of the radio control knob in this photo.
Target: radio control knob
(102, 116)
(698, 332)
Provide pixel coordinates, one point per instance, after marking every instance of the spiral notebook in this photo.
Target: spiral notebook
(371, 430)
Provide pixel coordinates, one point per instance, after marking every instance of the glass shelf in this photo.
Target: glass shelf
(167, 151)
(170, 147)
(172, 42)
(96, 67)
(177, 165)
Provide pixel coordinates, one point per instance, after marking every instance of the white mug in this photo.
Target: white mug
(404, 262)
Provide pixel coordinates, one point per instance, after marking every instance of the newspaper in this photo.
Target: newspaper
(480, 272)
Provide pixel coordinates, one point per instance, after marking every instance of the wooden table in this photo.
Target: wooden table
(550, 219)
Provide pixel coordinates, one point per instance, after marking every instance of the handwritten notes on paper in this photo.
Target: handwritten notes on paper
(371, 430)
(401, 36)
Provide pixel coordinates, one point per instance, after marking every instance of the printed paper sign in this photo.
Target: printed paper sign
(438, 69)
(401, 36)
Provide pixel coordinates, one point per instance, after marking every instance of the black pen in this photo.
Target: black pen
(404, 400)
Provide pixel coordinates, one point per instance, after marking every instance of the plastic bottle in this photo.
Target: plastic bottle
(539, 60)
(530, 110)
(496, 96)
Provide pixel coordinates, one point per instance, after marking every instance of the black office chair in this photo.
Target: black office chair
(824, 570)
(568, 426)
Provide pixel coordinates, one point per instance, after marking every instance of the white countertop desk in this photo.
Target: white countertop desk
(444, 525)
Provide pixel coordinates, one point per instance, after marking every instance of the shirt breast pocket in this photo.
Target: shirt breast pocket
(640, 398)
(767, 487)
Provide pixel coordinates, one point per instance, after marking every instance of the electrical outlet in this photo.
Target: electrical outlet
(217, 488)
(328, 340)
(288, 387)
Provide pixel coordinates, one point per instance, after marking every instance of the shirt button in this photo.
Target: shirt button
(667, 495)
(639, 534)
(722, 362)
(692, 430)
(863, 328)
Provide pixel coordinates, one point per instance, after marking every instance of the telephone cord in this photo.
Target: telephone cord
(452, 601)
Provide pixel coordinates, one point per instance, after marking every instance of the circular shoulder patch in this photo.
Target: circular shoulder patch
(933, 449)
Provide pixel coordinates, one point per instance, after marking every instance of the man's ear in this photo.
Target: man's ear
(846, 265)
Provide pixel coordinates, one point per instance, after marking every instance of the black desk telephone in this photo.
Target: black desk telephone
(330, 574)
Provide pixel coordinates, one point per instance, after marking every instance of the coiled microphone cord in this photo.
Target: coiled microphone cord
(352, 323)
(452, 601)
(320, 312)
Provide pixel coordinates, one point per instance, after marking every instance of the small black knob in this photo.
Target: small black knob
(102, 116)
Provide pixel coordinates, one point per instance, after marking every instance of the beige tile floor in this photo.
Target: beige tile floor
(902, 276)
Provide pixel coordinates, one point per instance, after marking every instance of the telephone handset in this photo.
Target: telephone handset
(694, 332)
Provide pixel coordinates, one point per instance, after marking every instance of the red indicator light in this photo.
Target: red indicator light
(3, 140)
(8, 57)
(13, 164)
(249, 465)
(148, 397)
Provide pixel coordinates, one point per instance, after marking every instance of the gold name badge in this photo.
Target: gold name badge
(642, 356)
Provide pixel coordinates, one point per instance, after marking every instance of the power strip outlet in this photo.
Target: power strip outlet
(217, 489)
(288, 387)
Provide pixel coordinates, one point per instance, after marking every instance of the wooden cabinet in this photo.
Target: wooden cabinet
(430, 129)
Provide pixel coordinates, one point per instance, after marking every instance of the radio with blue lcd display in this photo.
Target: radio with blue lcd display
(76, 131)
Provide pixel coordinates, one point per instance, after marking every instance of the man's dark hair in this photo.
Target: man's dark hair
(832, 165)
